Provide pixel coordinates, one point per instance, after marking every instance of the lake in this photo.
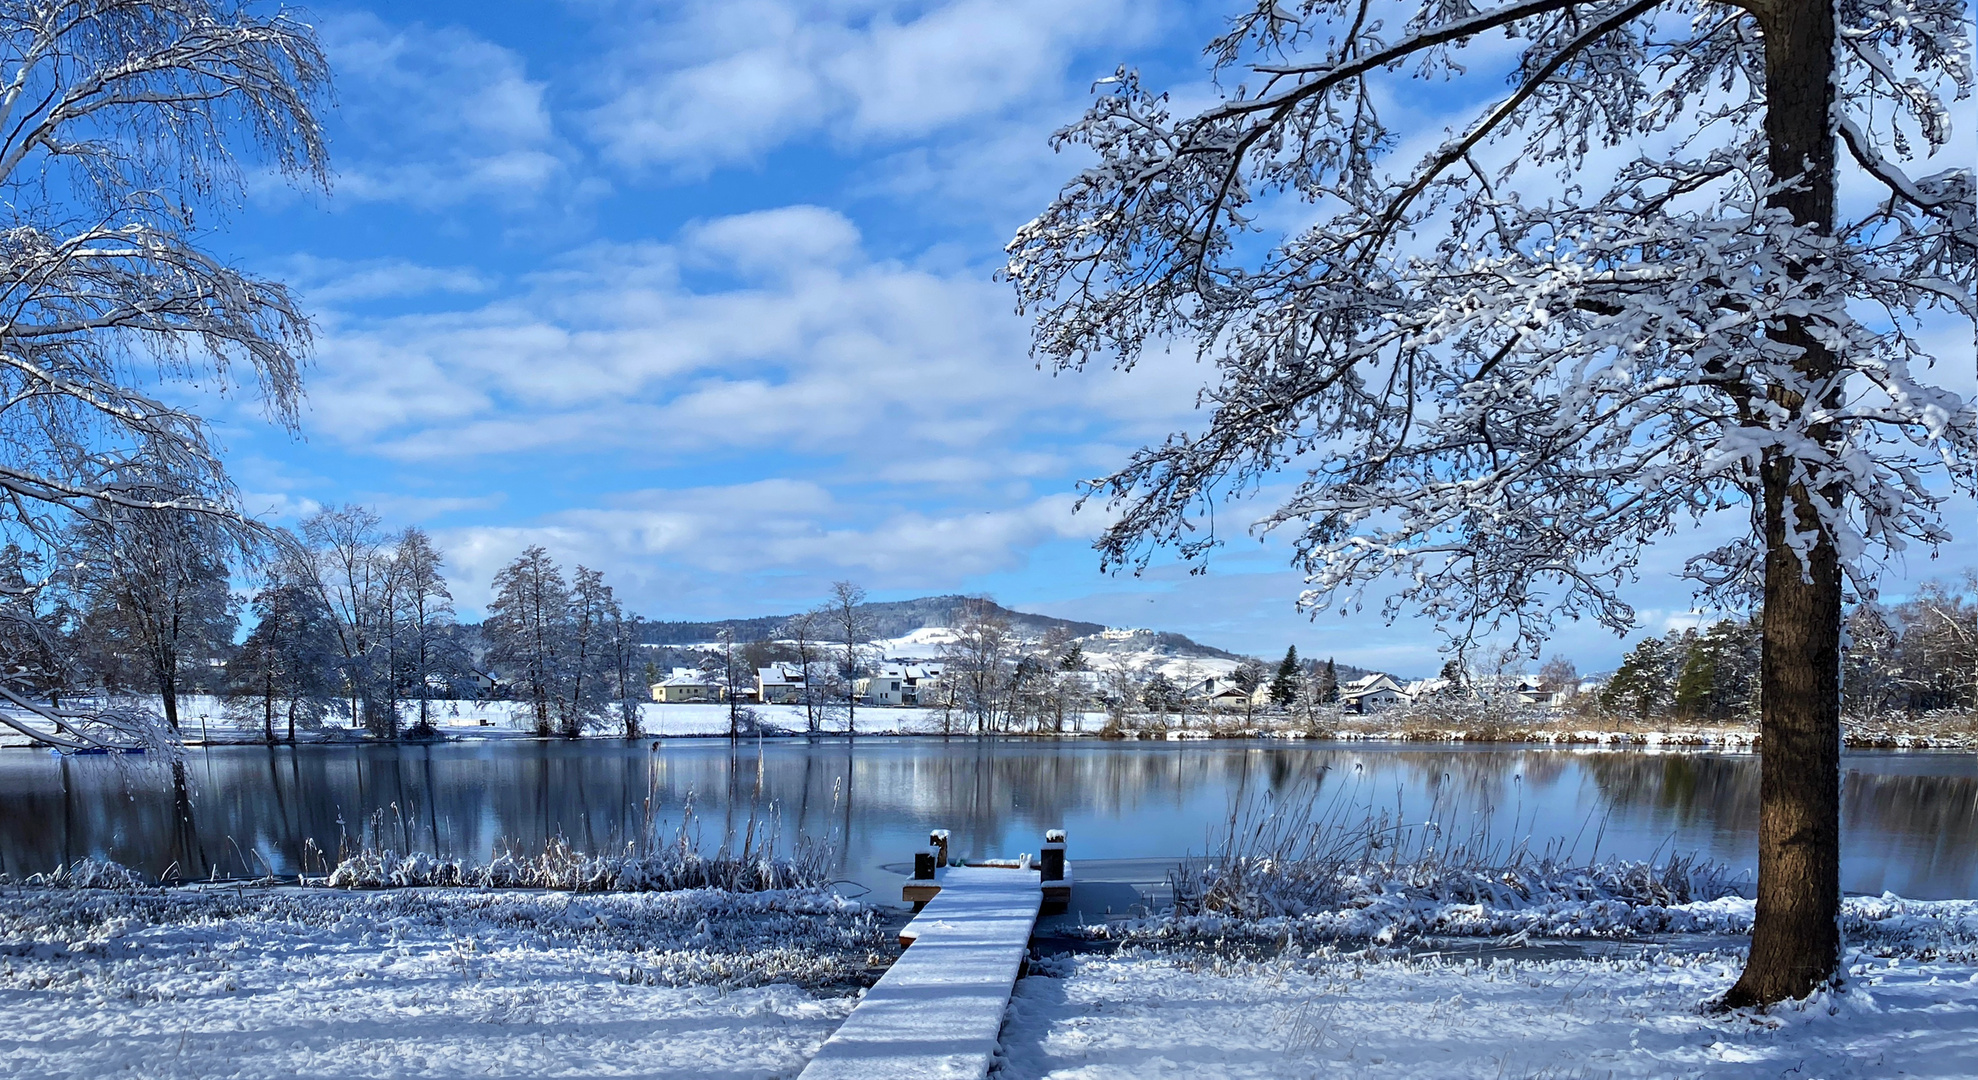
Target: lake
(1910, 820)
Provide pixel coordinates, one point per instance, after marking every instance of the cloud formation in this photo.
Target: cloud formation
(702, 85)
(437, 116)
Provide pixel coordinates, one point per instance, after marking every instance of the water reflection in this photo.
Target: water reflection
(1910, 820)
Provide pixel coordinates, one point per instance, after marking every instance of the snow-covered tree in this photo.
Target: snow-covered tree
(593, 612)
(351, 563)
(288, 665)
(528, 631)
(977, 662)
(1290, 679)
(851, 627)
(622, 646)
(129, 125)
(1679, 265)
(425, 654)
(153, 589)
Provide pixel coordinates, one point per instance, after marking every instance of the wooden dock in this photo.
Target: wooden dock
(937, 1012)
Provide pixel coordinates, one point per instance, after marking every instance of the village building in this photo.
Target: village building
(901, 684)
(1371, 693)
(1219, 693)
(686, 685)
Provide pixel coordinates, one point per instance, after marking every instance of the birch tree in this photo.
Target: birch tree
(1681, 266)
(127, 129)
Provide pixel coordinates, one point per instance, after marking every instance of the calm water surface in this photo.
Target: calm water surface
(1910, 820)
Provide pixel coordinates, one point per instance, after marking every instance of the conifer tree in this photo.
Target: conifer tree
(1289, 680)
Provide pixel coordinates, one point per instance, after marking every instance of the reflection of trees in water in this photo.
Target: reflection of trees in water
(1687, 790)
(249, 809)
(1937, 815)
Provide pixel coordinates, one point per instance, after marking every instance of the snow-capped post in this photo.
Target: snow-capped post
(925, 885)
(1051, 872)
(938, 839)
(1053, 855)
(1506, 374)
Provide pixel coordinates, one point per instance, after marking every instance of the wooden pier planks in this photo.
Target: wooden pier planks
(936, 1014)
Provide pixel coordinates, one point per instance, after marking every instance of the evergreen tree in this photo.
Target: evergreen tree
(1641, 685)
(1695, 693)
(1289, 681)
(1327, 691)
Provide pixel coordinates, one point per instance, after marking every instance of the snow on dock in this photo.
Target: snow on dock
(936, 1014)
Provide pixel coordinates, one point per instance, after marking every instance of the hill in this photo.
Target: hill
(889, 619)
(914, 628)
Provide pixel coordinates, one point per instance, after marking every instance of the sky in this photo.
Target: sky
(701, 294)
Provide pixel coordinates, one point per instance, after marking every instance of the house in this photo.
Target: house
(1423, 689)
(1371, 693)
(686, 684)
(780, 684)
(901, 684)
(887, 686)
(1218, 692)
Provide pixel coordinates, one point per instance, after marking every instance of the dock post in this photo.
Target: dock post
(926, 881)
(1051, 866)
(939, 839)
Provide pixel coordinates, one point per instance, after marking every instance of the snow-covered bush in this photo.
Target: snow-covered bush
(89, 873)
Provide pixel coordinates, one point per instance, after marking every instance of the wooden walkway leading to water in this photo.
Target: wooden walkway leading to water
(936, 1013)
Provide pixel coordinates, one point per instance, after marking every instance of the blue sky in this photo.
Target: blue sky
(700, 294)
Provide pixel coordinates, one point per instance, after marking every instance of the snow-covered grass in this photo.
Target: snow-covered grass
(1309, 867)
(670, 868)
(245, 982)
(1323, 1012)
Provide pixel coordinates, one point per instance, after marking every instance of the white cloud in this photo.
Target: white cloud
(819, 350)
(341, 281)
(436, 116)
(663, 548)
(722, 83)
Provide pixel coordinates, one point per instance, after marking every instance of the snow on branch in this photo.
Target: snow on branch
(1557, 337)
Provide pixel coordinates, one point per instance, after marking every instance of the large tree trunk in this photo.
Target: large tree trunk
(168, 689)
(1795, 939)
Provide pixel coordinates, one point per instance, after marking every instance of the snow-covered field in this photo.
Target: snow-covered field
(426, 983)
(1144, 1015)
(246, 982)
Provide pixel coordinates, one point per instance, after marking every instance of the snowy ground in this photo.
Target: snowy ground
(1331, 1014)
(427, 983)
(245, 982)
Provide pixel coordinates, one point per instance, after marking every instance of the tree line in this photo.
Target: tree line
(342, 617)
(1908, 658)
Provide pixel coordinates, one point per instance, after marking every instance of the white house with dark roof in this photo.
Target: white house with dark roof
(1371, 693)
